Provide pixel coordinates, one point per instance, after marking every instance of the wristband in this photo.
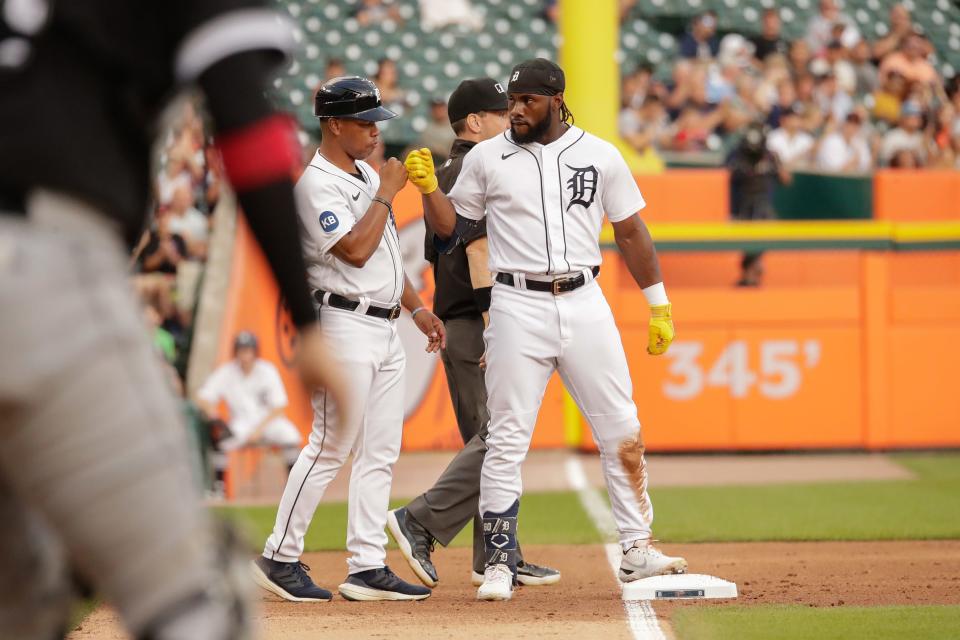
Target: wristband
(413, 314)
(481, 297)
(656, 295)
(385, 203)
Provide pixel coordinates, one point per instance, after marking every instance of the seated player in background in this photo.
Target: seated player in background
(256, 399)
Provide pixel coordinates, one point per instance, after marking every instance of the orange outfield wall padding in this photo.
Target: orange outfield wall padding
(927, 194)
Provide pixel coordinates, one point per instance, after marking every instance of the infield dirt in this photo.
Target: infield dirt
(586, 603)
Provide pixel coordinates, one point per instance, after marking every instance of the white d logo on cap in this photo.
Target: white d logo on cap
(498, 87)
(516, 74)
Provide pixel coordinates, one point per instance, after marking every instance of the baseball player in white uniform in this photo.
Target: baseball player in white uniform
(544, 188)
(355, 269)
(255, 397)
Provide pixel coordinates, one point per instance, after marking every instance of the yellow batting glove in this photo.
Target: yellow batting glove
(661, 329)
(419, 164)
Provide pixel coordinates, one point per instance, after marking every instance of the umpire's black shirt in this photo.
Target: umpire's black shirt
(453, 297)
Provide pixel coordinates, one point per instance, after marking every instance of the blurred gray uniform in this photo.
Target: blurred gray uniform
(94, 468)
(83, 399)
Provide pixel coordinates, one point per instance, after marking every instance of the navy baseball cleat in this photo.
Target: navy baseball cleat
(415, 544)
(381, 584)
(289, 580)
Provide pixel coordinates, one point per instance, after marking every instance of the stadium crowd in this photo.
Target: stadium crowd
(832, 101)
(169, 260)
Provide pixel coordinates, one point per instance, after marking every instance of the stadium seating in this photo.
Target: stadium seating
(432, 62)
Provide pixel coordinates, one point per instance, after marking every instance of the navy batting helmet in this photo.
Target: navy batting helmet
(246, 340)
(350, 97)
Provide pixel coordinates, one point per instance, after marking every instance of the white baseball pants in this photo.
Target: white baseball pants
(372, 359)
(532, 334)
(279, 432)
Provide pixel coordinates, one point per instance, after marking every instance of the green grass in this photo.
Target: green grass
(82, 608)
(927, 507)
(545, 518)
(931, 466)
(804, 623)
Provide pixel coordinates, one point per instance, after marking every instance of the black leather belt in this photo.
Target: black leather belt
(556, 287)
(339, 302)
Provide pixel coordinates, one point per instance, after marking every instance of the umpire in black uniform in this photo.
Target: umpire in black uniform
(477, 111)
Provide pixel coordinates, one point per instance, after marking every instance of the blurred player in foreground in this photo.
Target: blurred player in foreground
(545, 187)
(478, 112)
(255, 396)
(94, 467)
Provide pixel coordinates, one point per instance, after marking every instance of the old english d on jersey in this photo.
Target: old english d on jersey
(545, 204)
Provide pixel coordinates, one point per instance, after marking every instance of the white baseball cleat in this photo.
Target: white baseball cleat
(644, 560)
(497, 583)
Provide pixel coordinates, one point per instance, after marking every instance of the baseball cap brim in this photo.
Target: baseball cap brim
(377, 114)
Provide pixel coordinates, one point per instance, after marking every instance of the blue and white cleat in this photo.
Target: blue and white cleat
(289, 580)
(381, 584)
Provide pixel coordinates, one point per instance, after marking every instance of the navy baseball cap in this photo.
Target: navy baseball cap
(538, 76)
(350, 97)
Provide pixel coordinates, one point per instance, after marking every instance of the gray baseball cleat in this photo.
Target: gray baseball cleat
(415, 544)
(643, 560)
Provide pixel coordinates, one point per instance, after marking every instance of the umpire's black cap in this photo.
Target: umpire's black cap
(350, 97)
(476, 95)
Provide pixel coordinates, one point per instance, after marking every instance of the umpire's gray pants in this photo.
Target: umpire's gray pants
(452, 502)
(94, 470)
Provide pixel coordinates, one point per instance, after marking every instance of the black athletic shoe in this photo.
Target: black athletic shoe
(415, 544)
(381, 584)
(529, 575)
(289, 580)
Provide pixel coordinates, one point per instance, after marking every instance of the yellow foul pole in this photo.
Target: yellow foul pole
(590, 33)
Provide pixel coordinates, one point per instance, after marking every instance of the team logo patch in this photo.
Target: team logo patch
(499, 540)
(498, 87)
(329, 221)
(582, 185)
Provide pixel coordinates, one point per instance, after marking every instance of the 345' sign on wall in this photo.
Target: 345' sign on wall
(775, 370)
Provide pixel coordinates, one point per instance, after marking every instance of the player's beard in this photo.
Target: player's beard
(534, 132)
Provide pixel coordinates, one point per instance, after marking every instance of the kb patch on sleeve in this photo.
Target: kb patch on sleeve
(329, 221)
